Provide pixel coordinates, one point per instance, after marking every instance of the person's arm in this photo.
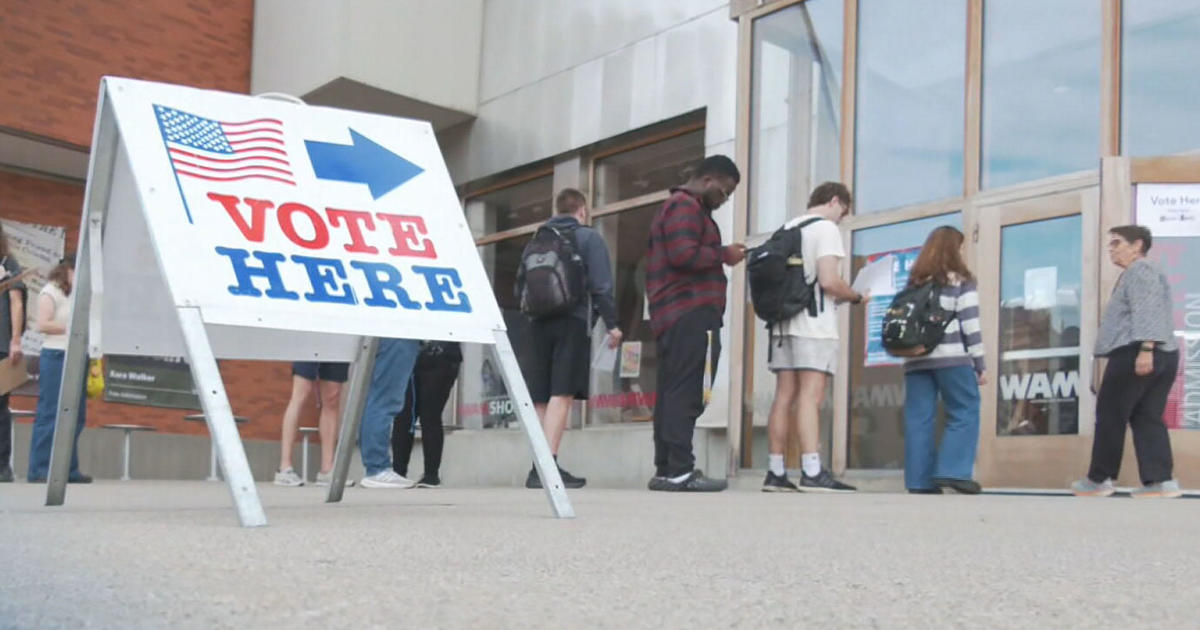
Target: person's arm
(683, 226)
(16, 300)
(45, 317)
(968, 321)
(829, 276)
(1147, 312)
(600, 279)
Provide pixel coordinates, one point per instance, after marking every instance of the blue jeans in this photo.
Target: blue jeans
(50, 373)
(385, 399)
(924, 460)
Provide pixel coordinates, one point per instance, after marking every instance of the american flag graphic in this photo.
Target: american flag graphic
(221, 151)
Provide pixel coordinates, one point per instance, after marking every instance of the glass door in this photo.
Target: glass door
(1037, 279)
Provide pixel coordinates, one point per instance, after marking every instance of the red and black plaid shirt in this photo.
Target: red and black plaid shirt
(684, 267)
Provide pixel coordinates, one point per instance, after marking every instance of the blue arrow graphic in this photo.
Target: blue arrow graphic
(363, 161)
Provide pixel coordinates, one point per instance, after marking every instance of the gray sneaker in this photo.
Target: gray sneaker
(288, 477)
(1087, 488)
(1168, 489)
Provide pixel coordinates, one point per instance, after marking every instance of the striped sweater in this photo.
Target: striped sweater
(684, 266)
(962, 299)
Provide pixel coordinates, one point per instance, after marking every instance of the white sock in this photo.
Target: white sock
(775, 464)
(681, 478)
(811, 463)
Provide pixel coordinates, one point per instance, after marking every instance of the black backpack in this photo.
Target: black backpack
(552, 273)
(779, 289)
(915, 323)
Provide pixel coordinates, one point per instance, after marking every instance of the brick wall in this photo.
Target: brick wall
(53, 53)
(258, 390)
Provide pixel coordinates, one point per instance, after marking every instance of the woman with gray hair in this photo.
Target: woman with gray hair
(1137, 338)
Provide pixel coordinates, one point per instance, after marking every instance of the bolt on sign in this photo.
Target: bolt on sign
(220, 225)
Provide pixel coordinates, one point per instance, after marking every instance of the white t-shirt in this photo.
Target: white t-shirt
(818, 240)
(62, 316)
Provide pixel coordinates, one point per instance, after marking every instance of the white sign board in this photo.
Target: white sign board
(1169, 209)
(277, 216)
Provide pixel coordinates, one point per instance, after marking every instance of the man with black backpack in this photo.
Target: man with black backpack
(564, 280)
(804, 346)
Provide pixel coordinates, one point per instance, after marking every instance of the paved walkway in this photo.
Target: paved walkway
(170, 554)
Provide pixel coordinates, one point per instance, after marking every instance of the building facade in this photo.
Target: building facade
(1032, 126)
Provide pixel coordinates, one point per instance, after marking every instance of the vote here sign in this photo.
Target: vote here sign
(270, 214)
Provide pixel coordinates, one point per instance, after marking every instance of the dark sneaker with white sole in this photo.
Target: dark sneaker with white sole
(824, 482)
(430, 481)
(961, 486)
(569, 480)
(778, 483)
(695, 482)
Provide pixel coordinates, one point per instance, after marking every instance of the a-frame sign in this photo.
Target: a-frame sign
(220, 225)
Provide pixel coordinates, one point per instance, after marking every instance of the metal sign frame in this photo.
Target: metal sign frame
(85, 325)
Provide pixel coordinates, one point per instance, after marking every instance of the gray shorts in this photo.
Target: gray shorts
(803, 353)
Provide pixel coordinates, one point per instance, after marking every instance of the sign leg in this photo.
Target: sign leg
(543, 460)
(219, 417)
(352, 411)
(70, 392)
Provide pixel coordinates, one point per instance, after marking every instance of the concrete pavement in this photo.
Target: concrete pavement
(159, 554)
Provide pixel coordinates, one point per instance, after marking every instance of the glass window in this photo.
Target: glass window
(624, 391)
(1040, 288)
(911, 86)
(1041, 89)
(648, 169)
(518, 205)
(876, 429)
(796, 108)
(485, 402)
(1158, 69)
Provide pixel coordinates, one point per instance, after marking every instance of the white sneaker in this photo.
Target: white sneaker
(324, 479)
(387, 479)
(288, 477)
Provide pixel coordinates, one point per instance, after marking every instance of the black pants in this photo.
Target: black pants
(5, 430)
(1125, 397)
(428, 391)
(680, 398)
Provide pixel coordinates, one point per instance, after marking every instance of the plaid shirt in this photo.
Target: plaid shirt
(684, 267)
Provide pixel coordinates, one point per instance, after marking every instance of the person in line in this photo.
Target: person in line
(53, 321)
(955, 370)
(686, 284)
(804, 349)
(1136, 336)
(428, 390)
(557, 369)
(12, 326)
(394, 361)
(309, 377)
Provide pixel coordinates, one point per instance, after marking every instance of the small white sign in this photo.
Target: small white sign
(1169, 209)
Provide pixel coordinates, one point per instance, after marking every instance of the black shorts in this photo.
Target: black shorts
(558, 361)
(328, 372)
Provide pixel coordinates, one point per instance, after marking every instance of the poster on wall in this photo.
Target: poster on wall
(37, 247)
(149, 381)
(902, 263)
(1170, 211)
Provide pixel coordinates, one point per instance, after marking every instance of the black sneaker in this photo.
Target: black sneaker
(824, 482)
(429, 481)
(569, 480)
(961, 486)
(658, 483)
(695, 482)
(6, 474)
(778, 483)
(80, 478)
(934, 490)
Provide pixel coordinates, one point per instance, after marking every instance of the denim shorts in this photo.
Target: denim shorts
(328, 372)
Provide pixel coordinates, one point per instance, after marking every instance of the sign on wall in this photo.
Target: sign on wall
(902, 263)
(1169, 210)
(37, 247)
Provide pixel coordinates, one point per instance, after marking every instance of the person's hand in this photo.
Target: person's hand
(982, 379)
(734, 254)
(1144, 364)
(614, 338)
(14, 351)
